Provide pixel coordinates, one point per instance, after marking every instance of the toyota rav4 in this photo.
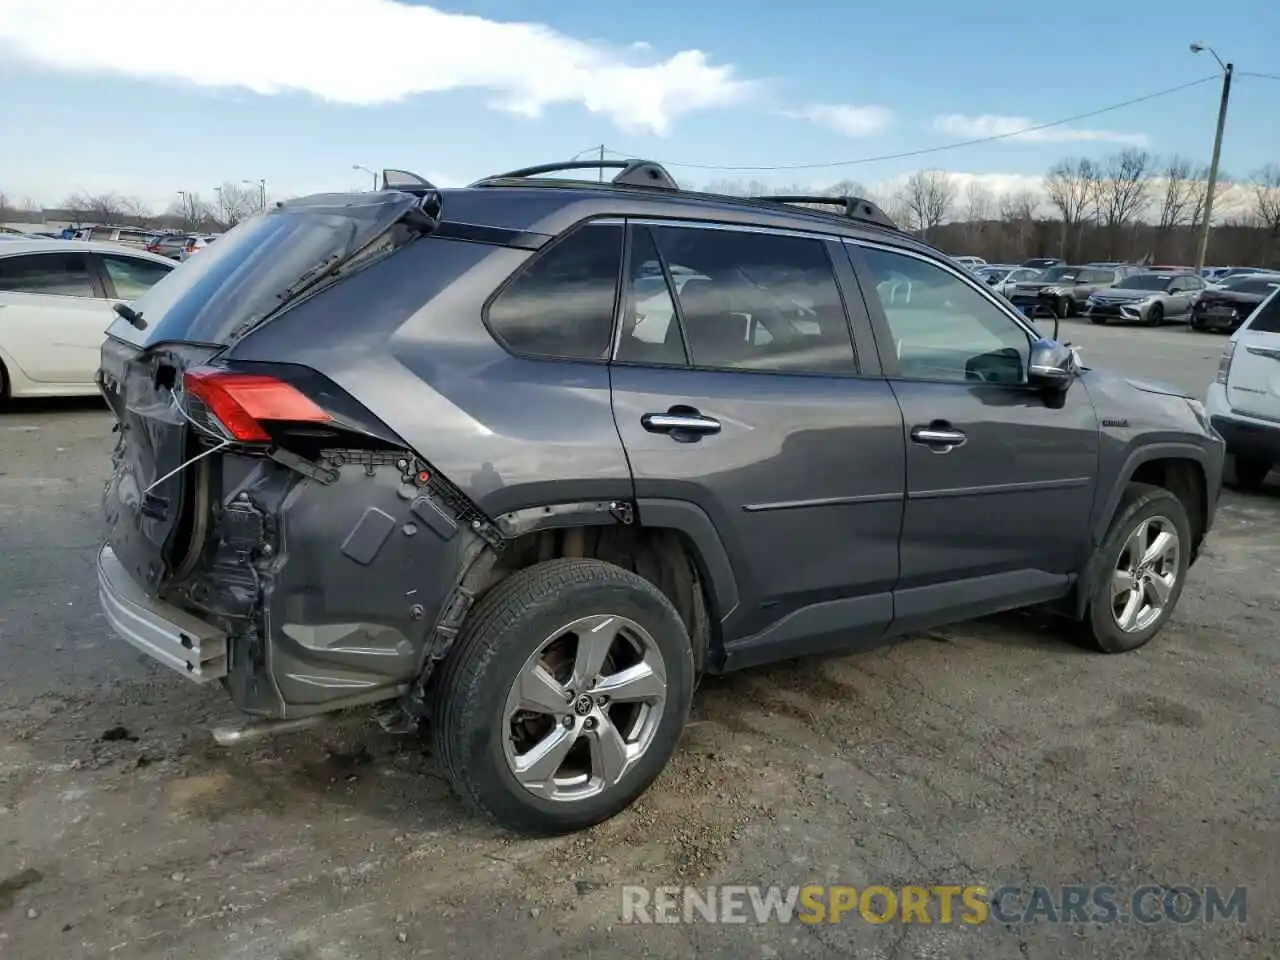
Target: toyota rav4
(522, 461)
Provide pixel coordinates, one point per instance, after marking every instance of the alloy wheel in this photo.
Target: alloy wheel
(1145, 574)
(584, 708)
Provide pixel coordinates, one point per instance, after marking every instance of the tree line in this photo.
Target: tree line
(1129, 205)
(230, 204)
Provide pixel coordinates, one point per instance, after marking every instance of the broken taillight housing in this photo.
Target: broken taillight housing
(1224, 362)
(242, 402)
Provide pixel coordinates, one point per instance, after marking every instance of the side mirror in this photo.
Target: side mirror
(1052, 365)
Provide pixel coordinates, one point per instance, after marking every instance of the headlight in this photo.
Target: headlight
(1092, 300)
(1053, 291)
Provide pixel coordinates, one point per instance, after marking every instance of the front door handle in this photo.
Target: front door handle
(939, 437)
(680, 425)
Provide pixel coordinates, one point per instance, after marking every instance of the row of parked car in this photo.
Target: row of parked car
(1217, 298)
(174, 244)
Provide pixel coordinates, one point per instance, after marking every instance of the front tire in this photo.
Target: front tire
(1155, 317)
(1138, 572)
(564, 696)
(1065, 307)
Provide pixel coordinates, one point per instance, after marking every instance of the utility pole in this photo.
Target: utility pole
(356, 166)
(602, 163)
(1227, 70)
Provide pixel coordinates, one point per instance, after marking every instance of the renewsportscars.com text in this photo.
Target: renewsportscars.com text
(938, 904)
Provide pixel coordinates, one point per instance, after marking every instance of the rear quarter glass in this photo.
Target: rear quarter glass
(237, 281)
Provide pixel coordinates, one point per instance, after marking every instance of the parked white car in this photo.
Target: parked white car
(1244, 399)
(56, 301)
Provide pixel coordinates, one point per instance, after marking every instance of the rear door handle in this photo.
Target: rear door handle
(678, 424)
(941, 437)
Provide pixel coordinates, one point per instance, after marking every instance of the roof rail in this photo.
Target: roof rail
(632, 173)
(855, 208)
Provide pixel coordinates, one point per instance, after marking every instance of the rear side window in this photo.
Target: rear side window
(561, 304)
(1266, 319)
(747, 301)
(132, 276)
(52, 274)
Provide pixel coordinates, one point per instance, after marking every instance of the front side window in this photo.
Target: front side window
(561, 304)
(51, 274)
(131, 276)
(943, 328)
(747, 300)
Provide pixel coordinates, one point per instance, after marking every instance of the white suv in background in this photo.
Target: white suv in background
(1244, 399)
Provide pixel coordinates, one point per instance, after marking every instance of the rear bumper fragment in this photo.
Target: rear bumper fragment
(184, 643)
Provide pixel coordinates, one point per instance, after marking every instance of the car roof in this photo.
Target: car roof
(529, 200)
(55, 245)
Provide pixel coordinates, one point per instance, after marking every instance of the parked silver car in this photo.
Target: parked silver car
(1149, 298)
(1001, 277)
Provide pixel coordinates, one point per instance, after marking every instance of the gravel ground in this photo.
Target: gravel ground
(986, 753)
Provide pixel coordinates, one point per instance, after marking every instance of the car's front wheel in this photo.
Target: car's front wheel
(1139, 570)
(564, 696)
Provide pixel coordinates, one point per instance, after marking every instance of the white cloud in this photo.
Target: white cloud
(845, 118)
(364, 52)
(991, 125)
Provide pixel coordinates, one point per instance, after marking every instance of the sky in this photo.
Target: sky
(146, 99)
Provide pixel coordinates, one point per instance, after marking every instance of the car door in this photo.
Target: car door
(1253, 377)
(741, 399)
(1000, 476)
(52, 316)
(1186, 290)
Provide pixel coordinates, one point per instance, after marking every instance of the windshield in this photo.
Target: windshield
(1060, 273)
(1253, 285)
(258, 265)
(997, 273)
(1146, 281)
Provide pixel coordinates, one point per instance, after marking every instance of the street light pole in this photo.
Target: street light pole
(356, 166)
(1227, 70)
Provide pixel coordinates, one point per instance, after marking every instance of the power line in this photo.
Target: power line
(946, 146)
(1260, 76)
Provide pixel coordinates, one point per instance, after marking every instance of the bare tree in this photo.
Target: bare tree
(979, 208)
(929, 196)
(1124, 190)
(1266, 198)
(1177, 204)
(1071, 186)
(1018, 213)
(136, 212)
(238, 202)
(194, 212)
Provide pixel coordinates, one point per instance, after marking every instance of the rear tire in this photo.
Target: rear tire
(1115, 620)
(525, 638)
(1248, 474)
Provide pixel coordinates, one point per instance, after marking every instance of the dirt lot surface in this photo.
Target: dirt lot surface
(990, 752)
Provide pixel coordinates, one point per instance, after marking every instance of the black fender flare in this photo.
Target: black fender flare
(1106, 511)
(1136, 458)
(692, 521)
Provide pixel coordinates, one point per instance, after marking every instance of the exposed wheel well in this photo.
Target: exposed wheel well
(663, 557)
(1185, 480)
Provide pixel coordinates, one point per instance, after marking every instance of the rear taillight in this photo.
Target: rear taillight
(241, 402)
(1224, 362)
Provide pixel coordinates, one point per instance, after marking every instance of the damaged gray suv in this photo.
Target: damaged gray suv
(522, 461)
